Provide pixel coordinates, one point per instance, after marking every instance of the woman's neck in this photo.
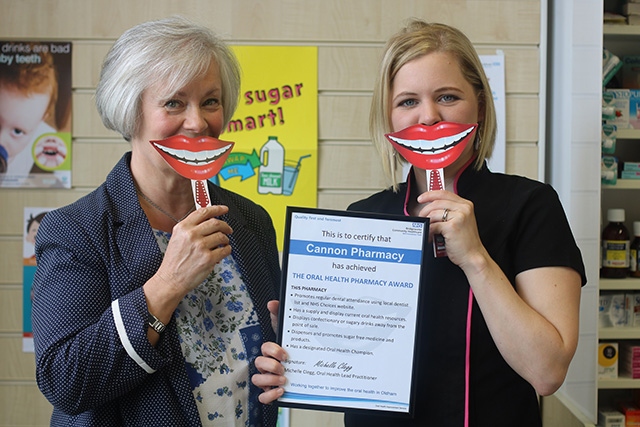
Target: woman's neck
(165, 196)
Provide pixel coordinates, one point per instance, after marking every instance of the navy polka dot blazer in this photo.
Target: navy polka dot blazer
(89, 312)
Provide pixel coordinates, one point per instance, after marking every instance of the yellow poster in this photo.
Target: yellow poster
(275, 130)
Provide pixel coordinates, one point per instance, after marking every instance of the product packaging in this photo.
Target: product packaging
(604, 321)
(630, 170)
(632, 306)
(631, 71)
(631, 414)
(609, 136)
(629, 360)
(631, 166)
(611, 64)
(609, 417)
(626, 104)
(609, 170)
(634, 258)
(618, 311)
(608, 360)
(609, 108)
(615, 247)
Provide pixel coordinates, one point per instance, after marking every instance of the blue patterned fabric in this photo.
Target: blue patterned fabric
(212, 322)
(93, 257)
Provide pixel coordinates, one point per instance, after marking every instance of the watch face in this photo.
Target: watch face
(156, 324)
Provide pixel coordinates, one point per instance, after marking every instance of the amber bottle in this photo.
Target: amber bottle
(615, 246)
(634, 260)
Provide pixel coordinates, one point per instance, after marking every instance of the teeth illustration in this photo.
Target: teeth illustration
(432, 147)
(197, 158)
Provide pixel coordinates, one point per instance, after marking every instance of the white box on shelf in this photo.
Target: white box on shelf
(608, 417)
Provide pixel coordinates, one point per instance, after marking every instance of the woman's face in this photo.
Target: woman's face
(432, 89)
(194, 110)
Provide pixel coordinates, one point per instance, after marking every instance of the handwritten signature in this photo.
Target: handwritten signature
(342, 366)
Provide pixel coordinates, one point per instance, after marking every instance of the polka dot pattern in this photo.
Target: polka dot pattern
(99, 249)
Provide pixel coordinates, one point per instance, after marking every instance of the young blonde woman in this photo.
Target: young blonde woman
(500, 311)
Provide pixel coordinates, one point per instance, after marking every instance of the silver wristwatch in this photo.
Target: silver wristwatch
(156, 324)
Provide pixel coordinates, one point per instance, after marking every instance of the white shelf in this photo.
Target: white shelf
(628, 284)
(620, 333)
(623, 184)
(619, 383)
(628, 134)
(621, 30)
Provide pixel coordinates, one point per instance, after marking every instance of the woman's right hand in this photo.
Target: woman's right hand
(197, 244)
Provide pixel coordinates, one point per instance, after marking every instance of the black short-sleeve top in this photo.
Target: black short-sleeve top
(522, 224)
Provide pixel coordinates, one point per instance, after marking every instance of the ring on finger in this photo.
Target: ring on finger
(445, 215)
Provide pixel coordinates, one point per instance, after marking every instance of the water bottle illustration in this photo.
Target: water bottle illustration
(271, 167)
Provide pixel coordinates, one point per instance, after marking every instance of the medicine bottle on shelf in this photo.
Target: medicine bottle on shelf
(615, 246)
(634, 251)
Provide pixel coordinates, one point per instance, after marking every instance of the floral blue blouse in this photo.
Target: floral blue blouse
(220, 338)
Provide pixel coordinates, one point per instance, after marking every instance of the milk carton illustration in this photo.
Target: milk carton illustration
(271, 167)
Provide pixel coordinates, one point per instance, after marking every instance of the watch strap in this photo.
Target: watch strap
(156, 324)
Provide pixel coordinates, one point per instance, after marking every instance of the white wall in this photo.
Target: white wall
(573, 157)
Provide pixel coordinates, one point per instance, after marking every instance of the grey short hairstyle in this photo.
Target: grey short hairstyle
(416, 39)
(171, 51)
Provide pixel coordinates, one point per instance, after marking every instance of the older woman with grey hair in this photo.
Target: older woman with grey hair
(147, 311)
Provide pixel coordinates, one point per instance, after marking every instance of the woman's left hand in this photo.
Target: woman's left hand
(454, 218)
(271, 377)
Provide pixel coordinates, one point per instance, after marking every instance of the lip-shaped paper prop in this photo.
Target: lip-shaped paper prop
(198, 158)
(433, 147)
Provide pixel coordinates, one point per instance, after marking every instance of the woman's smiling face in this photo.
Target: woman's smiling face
(432, 89)
(193, 111)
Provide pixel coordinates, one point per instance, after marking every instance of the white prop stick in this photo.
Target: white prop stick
(435, 181)
(200, 193)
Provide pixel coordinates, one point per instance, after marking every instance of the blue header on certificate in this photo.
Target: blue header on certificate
(368, 253)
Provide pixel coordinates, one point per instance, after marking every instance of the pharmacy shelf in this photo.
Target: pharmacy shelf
(628, 134)
(623, 184)
(621, 333)
(621, 30)
(619, 383)
(628, 284)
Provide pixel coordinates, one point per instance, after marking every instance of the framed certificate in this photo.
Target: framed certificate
(348, 309)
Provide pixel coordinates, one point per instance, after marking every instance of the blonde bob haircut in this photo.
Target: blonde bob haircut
(415, 40)
(170, 52)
